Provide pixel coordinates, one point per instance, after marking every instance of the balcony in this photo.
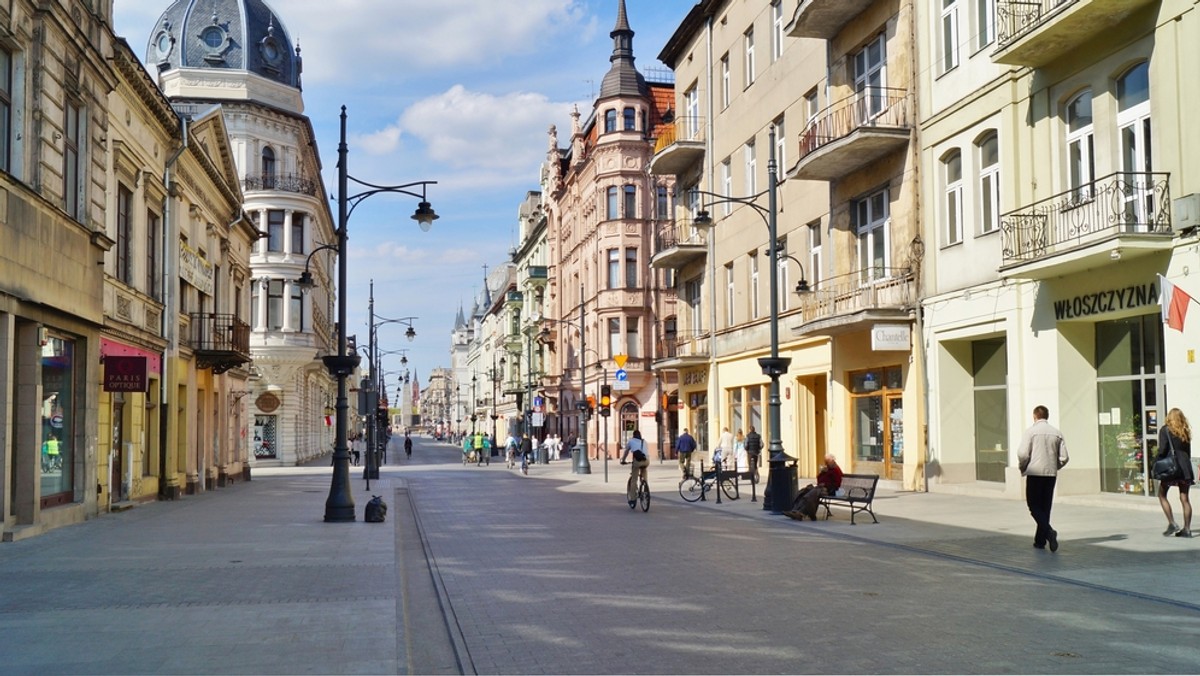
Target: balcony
(678, 243)
(679, 147)
(824, 19)
(1037, 32)
(283, 183)
(513, 298)
(681, 349)
(220, 342)
(1118, 216)
(855, 301)
(854, 133)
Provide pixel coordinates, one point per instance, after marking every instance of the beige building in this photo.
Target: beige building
(1056, 137)
(822, 93)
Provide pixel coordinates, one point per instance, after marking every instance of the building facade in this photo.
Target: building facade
(238, 53)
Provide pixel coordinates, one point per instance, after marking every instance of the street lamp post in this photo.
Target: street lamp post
(371, 469)
(778, 482)
(339, 505)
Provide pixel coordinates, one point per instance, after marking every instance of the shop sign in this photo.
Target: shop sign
(695, 377)
(890, 337)
(1101, 302)
(125, 374)
(194, 270)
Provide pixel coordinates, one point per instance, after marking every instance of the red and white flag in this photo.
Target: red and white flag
(1174, 302)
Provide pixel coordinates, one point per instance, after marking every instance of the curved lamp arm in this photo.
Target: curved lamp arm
(802, 285)
(411, 333)
(424, 215)
(306, 279)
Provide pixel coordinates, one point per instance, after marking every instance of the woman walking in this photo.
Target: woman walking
(1176, 437)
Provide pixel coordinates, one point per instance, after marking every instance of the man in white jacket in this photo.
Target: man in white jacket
(1042, 453)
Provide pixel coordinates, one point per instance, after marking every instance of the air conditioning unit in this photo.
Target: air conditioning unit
(1185, 212)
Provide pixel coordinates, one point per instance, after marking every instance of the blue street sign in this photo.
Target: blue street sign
(622, 375)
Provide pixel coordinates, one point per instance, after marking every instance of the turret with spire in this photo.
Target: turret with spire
(622, 78)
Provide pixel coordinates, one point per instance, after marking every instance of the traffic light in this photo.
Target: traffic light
(591, 404)
(605, 400)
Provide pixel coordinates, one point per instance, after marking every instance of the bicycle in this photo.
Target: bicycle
(525, 464)
(642, 495)
(693, 489)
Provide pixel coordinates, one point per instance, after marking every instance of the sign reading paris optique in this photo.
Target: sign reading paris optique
(125, 374)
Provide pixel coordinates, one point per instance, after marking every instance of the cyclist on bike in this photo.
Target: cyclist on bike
(407, 445)
(641, 462)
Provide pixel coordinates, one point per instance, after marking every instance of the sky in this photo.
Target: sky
(462, 92)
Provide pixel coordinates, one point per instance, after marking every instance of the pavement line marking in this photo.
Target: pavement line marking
(462, 653)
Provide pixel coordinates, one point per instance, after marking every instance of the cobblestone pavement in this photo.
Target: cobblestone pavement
(482, 570)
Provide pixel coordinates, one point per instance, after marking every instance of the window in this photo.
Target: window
(124, 231)
(811, 106)
(614, 337)
(662, 202)
(692, 294)
(751, 168)
(725, 81)
(72, 139)
(782, 288)
(749, 40)
(152, 225)
(614, 268)
(62, 411)
(275, 230)
(275, 304)
(952, 180)
(870, 77)
(632, 337)
(610, 121)
(610, 211)
(296, 308)
(989, 183)
(985, 17)
(297, 233)
(730, 294)
(1081, 167)
(814, 254)
(776, 30)
(869, 218)
(630, 207)
(989, 366)
(630, 119)
(631, 268)
(1133, 124)
(780, 145)
(949, 34)
(268, 168)
(255, 298)
(6, 106)
(754, 285)
(727, 184)
(691, 107)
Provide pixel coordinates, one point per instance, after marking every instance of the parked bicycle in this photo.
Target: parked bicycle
(694, 489)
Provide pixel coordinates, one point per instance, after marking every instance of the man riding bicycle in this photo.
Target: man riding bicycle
(641, 461)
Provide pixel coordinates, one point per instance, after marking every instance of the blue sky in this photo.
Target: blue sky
(457, 91)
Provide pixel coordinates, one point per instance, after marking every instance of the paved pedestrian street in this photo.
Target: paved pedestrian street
(483, 570)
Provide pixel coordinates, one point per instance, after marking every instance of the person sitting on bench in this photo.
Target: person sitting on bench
(829, 480)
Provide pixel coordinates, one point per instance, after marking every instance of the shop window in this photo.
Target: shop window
(877, 406)
(736, 415)
(58, 421)
(264, 436)
(1129, 368)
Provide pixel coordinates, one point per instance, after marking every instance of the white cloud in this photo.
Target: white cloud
(418, 34)
(381, 142)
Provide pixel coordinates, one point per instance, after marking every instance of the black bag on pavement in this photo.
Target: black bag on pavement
(375, 511)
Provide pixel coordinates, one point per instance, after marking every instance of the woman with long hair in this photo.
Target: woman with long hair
(1176, 437)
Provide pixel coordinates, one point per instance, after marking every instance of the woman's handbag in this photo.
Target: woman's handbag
(1166, 467)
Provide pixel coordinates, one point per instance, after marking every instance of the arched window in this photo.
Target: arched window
(268, 168)
(1133, 125)
(988, 151)
(610, 121)
(952, 182)
(630, 119)
(1081, 167)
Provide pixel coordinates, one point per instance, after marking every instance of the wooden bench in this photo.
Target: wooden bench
(857, 492)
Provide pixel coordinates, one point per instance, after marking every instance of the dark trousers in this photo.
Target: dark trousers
(1039, 495)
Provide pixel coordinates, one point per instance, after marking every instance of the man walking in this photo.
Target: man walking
(754, 450)
(1041, 454)
(685, 445)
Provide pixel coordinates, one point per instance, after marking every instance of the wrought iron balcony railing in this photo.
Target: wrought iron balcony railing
(677, 344)
(1117, 204)
(1015, 18)
(872, 107)
(220, 341)
(871, 289)
(677, 233)
(283, 182)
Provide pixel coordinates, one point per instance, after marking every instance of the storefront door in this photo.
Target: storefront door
(117, 494)
(878, 422)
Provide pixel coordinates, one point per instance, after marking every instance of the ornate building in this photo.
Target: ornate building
(238, 54)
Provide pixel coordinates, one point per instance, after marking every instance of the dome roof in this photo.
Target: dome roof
(241, 35)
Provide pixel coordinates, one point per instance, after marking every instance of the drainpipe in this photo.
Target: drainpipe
(170, 304)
